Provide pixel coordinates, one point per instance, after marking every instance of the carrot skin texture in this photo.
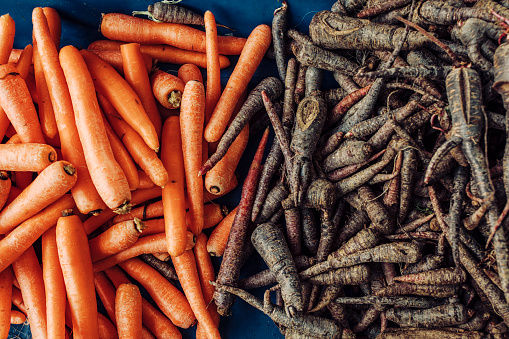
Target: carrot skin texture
(6, 277)
(256, 45)
(31, 157)
(128, 311)
(76, 264)
(216, 243)
(7, 30)
(229, 270)
(107, 329)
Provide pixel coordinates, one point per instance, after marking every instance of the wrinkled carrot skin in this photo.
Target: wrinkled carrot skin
(5, 300)
(163, 53)
(128, 311)
(74, 256)
(122, 27)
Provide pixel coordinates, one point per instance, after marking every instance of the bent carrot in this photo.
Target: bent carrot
(26, 157)
(5, 300)
(128, 311)
(256, 45)
(109, 83)
(170, 300)
(189, 72)
(138, 78)
(52, 183)
(28, 273)
(192, 114)
(185, 266)
(7, 30)
(123, 27)
(74, 257)
(173, 197)
(163, 53)
(107, 176)
(167, 89)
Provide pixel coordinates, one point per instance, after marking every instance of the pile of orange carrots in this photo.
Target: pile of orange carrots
(99, 164)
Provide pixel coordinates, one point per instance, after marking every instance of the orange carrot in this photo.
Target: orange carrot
(5, 300)
(122, 156)
(114, 58)
(186, 268)
(28, 273)
(106, 292)
(24, 235)
(153, 319)
(170, 300)
(256, 45)
(16, 52)
(106, 328)
(143, 155)
(17, 299)
(191, 129)
(213, 92)
(128, 311)
(26, 157)
(76, 264)
(17, 103)
(7, 30)
(218, 177)
(167, 89)
(188, 72)
(219, 236)
(25, 61)
(54, 285)
(107, 176)
(138, 78)
(5, 187)
(163, 53)
(45, 107)
(213, 214)
(109, 83)
(123, 27)
(54, 24)
(52, 183)
(84, 192)
(173, 197)
(17, 317)
(205, 268)
(144, 179)
(117, 238)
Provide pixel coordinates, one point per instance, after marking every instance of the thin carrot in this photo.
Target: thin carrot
(213, 92)
(74, 257)
(107, 176)
(138, 78)
(122, 156)
(54, 24)
(219, 236)
(51, 184)
(44, 105)
(205, 268)
(54, 285)
(128, 311)
(173, 198)
(188, 72)
(28, 273)
(109, 83)
(142, 154)
(167, 89)
(5, 187)
(123, 27)
(191, 129)
(7, 30)
(17, 299)
(189, 279)
(25, 61)
(26, 157)
(163, 53)
(114, 58)
(106, 292)
(5, 300)
(17, 103)
(106, 328)
(84, 192)
(170, 300)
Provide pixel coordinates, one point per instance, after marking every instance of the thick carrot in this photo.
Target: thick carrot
(128, 311)
(142, 154)
(109, 83)
(54, 285)
(174, 200)
(7, 30)
(219, 236)
(185, 265)
(76, 264)
(188, 72)
(28, 273)
(115, 239)
(256, 45)
(117, 26)
(138, 78)
(167, 88)
(26, 157)
(163, 53)
(5, 300)
(107, 176)
(17, 103)
(52, 183)
(192, 113)
(170, 300)
(84, 192)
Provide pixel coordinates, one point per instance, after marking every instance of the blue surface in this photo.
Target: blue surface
(80, 22)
